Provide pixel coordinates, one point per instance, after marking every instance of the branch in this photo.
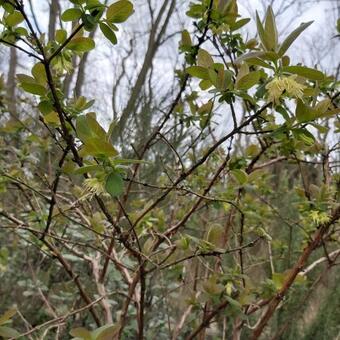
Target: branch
(331, 257)
(21, 49)
(60, 319)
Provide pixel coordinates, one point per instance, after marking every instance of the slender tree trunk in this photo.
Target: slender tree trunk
(11, 83)
(53, 19)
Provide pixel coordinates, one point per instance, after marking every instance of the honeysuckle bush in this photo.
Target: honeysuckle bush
(239, 220)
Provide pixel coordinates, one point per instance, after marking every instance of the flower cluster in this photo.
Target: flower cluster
(278, 85)
(93, 186)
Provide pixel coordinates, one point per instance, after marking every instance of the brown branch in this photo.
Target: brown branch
(60, 319)
(208, 317)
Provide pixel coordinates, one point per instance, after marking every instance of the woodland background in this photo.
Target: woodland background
(134, 83)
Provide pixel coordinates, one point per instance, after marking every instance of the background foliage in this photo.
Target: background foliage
(205, 206)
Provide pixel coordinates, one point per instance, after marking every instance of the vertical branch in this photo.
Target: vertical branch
(52, 19)
(11, 83)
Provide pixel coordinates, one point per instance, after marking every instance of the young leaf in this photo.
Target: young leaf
(34, 88)
(270, 29)
(45, 107)
(81, 44)
(186, 39)
(71, 14)
(198, 71)
(239, 24)
(306, 72)
(52, 118)
(304, 135)
(24, 78)
(119, 11)
(60, 36)
(14, 19)
(292, 37)
(39, 73)
(8, 332)
(108, 33)
(7, 315)
(95, 146)
(204, 58)
(114, 184)
(240, 175)
(87, 168)
(95, 128)
(303, 112)
(106, 332)
(81, 332)
(262, 32)
(248, 81)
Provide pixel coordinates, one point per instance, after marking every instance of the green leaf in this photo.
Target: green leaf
(77, 2)
(262, 32)
(240, 175)
(34, 88)
(81, 44)
(21, 31)
(205, 84)
(95, 127)
(129, 161)
(215, 235)
(303, 112)
(107, 332)
(7, 315)
(304, 135)
(95, 146)
(239, 24)
(90, 132)
(81, 332)
(204, 58)
(292, 37)
(39, 73)
(306, 72)
(71, 14)
(24, 78)
(108, 33)
(8, 332)
(45, 107)
(8, 7)
(119, 11)
(270, 29)
(114, 184)
(248, 81)
(186, 39)
(249, 55)
(83, 131)
(89, 22)
(199, 72)
(259, 62)
(322, 106)
(234, 303)
(14, 19)
(60, 36)
(87, 168)
(279, 279)
(212, 287)
(52, 118)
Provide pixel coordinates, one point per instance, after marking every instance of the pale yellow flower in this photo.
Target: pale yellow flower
(275, 89)
(278, 85)
(93, 186)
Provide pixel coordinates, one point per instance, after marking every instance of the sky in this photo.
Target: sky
(106, 60)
